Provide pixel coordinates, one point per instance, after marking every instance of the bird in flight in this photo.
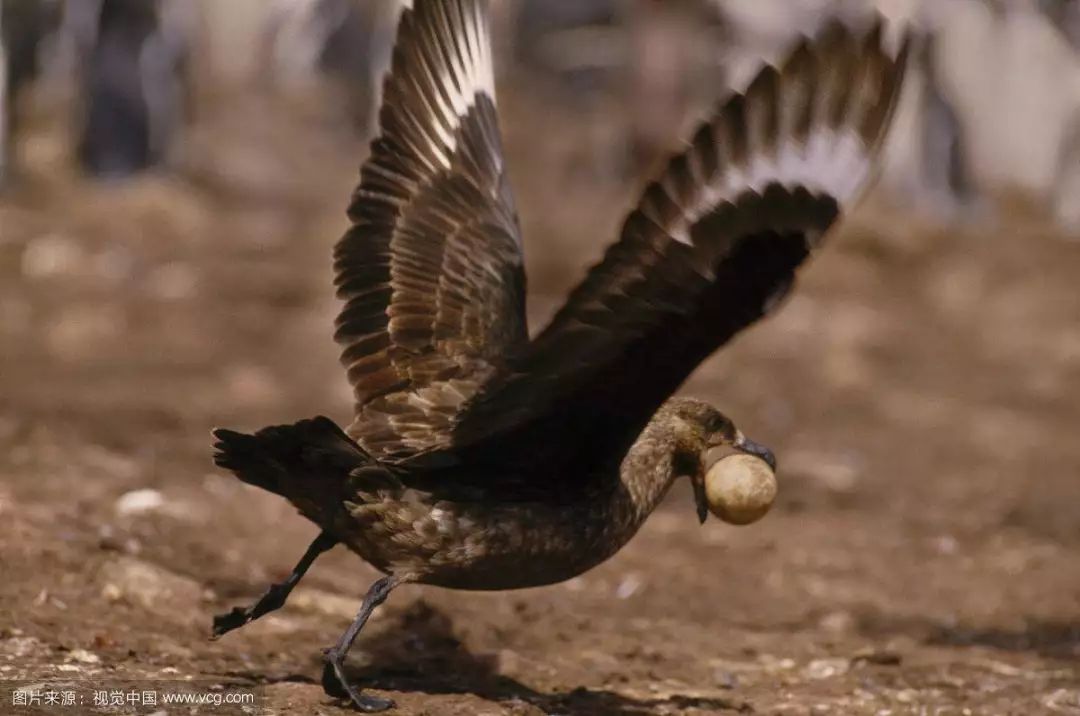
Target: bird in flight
(480, 458)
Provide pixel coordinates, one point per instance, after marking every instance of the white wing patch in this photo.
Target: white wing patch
(829, 163)
(467, 73)
(758, 144)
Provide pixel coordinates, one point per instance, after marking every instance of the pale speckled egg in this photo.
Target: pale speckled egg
(740, 489)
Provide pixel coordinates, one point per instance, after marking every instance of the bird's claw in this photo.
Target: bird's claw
(234, 619)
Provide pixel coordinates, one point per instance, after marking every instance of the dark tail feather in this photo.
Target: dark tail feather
(306, 455)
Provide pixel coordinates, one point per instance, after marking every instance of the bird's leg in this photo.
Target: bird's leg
(333, 680)
(275, 596)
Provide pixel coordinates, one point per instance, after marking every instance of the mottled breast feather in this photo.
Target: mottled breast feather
(711, 248)
(431, 269)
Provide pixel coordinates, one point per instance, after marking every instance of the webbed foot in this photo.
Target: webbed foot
(334, 682)
(336, 685)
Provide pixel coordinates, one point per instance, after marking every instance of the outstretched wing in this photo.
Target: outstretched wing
(711, 248)
(431, 270)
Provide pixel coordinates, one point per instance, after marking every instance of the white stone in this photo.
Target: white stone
(138, 502)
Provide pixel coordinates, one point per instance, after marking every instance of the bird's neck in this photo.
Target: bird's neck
(666, 450)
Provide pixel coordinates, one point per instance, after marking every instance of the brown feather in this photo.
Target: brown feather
(712, 247)
(431, 270)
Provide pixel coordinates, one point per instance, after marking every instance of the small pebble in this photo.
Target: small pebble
(826, 668)
(138, 502)
(628, 586)
(84, 657)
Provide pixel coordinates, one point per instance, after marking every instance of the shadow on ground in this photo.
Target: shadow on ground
(1058, 640)
(419, 652)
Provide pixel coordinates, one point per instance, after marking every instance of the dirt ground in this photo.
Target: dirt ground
(920, 391)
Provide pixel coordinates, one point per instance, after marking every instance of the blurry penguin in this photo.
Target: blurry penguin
(7, 104)
(1067, 184)
(675, 70)
(945, 175)
(134, 56)
(653, 58)
(1065, 16)
(579, 52)
(578, 42)
(928, 165)
(24, 24)
(346, 41)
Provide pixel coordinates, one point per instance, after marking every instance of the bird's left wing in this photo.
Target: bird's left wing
(431, 270)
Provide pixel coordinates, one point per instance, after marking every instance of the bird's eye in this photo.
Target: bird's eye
(719, 424)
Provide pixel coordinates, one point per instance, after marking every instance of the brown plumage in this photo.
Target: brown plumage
(481, 459)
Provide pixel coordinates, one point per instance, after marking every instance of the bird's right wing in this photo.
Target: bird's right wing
(711, 248)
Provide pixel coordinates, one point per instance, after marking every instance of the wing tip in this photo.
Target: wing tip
(815, 120)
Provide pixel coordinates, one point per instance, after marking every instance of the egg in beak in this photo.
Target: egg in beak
(740, 487)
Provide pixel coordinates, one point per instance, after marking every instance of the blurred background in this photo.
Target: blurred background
(173, 175)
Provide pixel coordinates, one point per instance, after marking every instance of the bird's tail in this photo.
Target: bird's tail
(305, 462)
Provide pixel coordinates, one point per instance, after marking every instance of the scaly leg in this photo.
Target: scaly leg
(333, 680)
(275, 596)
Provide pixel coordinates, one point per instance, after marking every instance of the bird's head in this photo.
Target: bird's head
(733, 477)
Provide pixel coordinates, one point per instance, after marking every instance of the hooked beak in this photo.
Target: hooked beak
(702, 502)
(750, 447)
